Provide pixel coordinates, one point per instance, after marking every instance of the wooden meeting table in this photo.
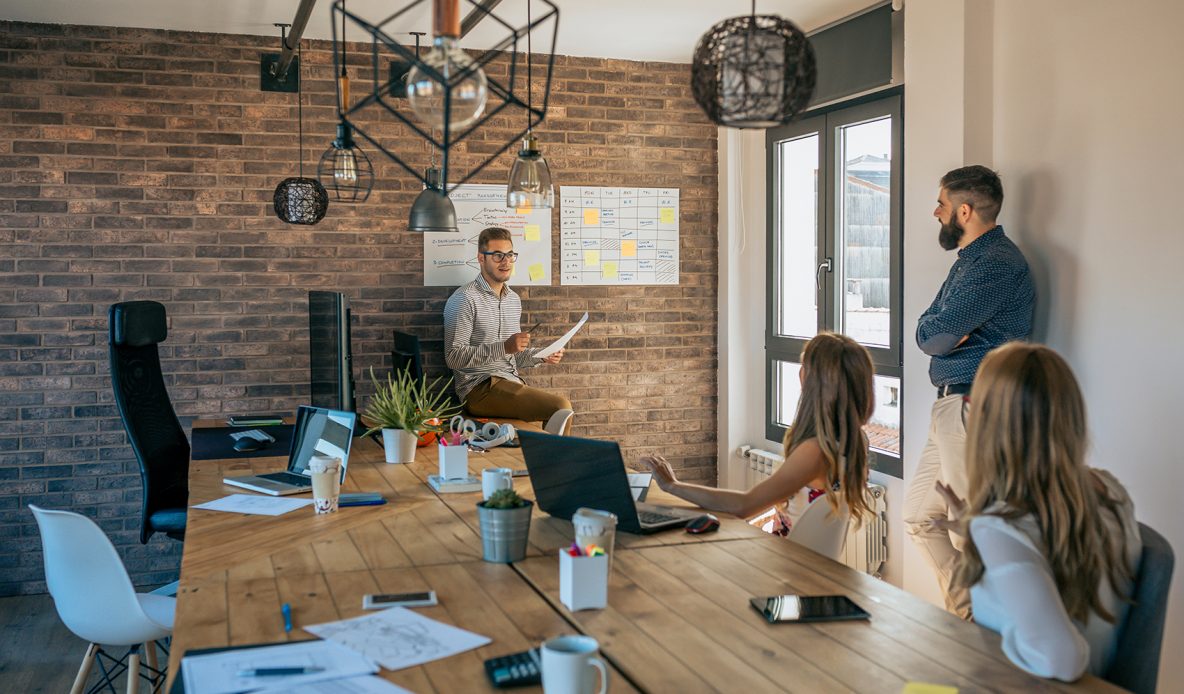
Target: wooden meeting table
(678, 617)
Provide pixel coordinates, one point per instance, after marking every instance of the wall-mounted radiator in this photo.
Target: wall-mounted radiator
(866, 548)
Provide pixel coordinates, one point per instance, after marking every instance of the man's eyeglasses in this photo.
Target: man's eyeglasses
(498, 256)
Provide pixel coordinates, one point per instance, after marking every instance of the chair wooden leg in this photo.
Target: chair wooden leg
(84, 670)
(133, 671)
(150, 651)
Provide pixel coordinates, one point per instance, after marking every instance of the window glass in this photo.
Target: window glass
(864, 230)
(797, 237)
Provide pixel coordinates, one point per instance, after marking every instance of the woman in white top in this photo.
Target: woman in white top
(825, 447)
(1053, 544)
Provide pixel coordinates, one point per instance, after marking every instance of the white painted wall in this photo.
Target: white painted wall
(1078, 106)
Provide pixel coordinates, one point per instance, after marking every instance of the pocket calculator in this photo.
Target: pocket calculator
(515, 670)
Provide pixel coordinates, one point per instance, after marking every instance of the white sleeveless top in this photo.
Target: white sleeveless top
(1017, 595)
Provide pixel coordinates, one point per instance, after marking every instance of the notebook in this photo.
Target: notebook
(318, 431)
(569, 473)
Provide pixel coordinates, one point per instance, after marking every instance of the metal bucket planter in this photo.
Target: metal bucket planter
(504, 532)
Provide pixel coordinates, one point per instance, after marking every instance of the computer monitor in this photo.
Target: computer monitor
(330, 359)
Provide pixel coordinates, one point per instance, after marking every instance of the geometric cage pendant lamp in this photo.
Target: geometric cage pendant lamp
(344, 169)
(300, 200)
(753, 71)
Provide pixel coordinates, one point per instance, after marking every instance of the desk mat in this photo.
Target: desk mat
(213, 443)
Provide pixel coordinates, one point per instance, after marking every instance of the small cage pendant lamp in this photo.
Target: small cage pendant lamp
(300, 200)
(344, 168)
(530, 177)
(753, 72)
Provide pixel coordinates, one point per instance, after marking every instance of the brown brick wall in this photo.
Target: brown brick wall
(140, 164)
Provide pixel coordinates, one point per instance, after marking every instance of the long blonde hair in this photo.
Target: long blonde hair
(1025, 454)
(838, 397)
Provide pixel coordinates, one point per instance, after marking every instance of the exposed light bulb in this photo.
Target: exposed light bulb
(427, 96)
(345, 169)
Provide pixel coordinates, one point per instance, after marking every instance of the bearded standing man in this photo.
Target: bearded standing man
(988, 299)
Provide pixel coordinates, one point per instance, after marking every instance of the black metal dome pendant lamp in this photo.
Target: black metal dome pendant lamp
(300, 200)
(756, 71)
(344, 168)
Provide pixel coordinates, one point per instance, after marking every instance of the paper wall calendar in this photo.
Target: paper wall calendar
(618, 235)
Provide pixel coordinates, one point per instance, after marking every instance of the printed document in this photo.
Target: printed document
(233, 671)
(561, 342)
(399, 637)
(255, 505)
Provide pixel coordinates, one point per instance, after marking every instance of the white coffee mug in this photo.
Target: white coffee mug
(495, 478)
(568, 664)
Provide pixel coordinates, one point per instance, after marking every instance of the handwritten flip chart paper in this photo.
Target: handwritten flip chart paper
(561, 342)
(399, 638)
(450, 259)
(634, 228)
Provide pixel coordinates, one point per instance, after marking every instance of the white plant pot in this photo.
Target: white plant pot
(399, 445)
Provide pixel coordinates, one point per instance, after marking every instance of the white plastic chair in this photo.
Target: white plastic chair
(96, 600)
(557, 424)
(820, 530)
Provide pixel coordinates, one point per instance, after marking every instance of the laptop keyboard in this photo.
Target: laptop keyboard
(652, 518)
(288, 478)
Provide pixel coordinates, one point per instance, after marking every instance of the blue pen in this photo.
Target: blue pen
(279, 671)
(287, 612)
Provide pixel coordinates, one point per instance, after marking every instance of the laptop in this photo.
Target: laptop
(569, 473)
(318, 431)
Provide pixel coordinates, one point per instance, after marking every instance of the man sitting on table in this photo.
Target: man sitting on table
(484, 344)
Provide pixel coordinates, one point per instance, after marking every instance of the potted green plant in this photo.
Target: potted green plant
(505, 526)
(402, 407)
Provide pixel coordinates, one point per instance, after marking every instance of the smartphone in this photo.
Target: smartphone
(385, 600)
(808, 608)
(520, 473)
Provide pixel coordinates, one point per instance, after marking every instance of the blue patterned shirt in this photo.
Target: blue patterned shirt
(989, 296)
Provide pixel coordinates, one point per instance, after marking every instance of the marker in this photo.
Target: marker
(279, 671)
(286, 610)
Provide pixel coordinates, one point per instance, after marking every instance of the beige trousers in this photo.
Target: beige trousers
(944, 459)
(501, 398)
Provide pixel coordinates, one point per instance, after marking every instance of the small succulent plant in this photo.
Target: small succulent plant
(505, 498)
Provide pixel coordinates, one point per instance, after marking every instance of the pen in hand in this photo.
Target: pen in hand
(536, 327)
(279, 671)
(286, 610)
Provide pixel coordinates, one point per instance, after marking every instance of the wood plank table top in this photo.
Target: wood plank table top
(678, 617)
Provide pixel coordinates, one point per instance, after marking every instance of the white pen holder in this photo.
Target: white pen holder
(583, 581)
(454, 462)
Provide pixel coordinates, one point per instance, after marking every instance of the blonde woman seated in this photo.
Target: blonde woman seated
(1053, 544)
(825, 447)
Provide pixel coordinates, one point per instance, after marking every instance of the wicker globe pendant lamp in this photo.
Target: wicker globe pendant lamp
(300, 200)
(756, 71)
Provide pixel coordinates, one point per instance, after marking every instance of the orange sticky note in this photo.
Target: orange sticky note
(537, 272)
(591, 215)
(591, 258)
(666, 215)
(609, 270)
(532, 232)
(628, 249)
(523, 210)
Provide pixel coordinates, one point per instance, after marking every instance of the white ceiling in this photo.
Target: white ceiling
(661, 30)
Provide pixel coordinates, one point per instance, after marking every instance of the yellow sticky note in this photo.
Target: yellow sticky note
(532, 232)
(609, 270)
(591, 258)
(628, 249)
(591, 215)
(926, 688)
(523, 210)
(666, 215)
(537, 272)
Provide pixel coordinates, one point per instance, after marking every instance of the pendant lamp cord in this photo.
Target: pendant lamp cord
(343, 39)
(529, 73)
(300, 107)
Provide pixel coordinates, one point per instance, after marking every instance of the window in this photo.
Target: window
(835, 205)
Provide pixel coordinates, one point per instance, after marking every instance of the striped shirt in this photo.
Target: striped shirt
(477, 323)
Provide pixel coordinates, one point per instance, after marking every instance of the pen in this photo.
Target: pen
(286, 610)
(279, 671)
(536, 327)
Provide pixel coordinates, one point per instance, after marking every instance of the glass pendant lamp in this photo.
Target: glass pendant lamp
(530, 178)
(454, 97)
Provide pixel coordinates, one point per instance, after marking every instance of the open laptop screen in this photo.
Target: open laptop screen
(320, 432)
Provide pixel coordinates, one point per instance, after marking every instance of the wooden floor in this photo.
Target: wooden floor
(39, 653)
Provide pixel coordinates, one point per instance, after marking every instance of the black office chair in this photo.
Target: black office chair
(1136, 659)
(155, 433)
(406, 355)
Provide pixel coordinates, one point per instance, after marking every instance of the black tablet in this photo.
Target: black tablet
(808, 608)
